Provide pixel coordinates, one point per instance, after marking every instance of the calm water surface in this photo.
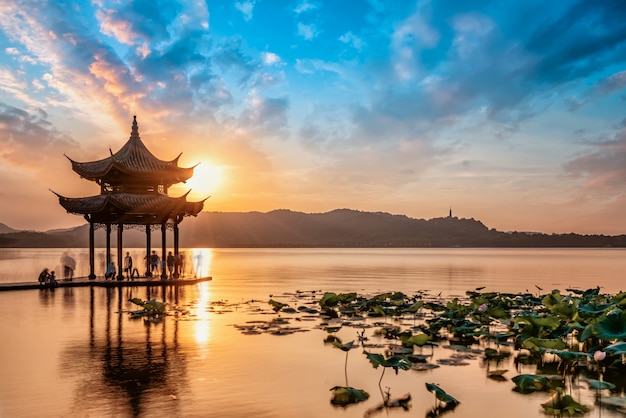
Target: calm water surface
(77, 353)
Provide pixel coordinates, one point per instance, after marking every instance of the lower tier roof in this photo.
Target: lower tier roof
(131, 208)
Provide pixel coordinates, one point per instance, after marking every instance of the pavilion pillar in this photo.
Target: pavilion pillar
(120, 231)
(176, 249)
(108, 249)
(163, 249)
(148, 246)
(92, 255)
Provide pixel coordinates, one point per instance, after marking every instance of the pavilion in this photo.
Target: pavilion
(133, 193)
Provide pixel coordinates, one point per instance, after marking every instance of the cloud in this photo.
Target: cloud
(28, 139)
(603, 169)
(246, 8)
(307, 31)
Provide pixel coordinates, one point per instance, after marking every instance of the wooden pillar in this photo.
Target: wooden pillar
(176, 249)
(148, 245)
(92, 253)
(120, 230)
(108, 249)
(163, 249)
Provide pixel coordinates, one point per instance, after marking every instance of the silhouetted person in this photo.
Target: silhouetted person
(44, 277)
(171, 260)
(110, 271)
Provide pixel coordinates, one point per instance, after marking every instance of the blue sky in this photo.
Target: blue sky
(509, 112)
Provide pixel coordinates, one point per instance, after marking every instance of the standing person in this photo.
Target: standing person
(128, 265)
(154, 262)
(171, 260)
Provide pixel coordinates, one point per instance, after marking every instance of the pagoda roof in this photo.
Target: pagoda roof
(131, 208)
(133, 160)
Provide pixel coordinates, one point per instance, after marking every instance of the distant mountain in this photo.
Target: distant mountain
(4, 229)
(338, 228)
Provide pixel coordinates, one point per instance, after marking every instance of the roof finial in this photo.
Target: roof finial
(135, 131)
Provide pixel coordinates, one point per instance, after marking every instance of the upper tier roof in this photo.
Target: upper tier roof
(133, 162)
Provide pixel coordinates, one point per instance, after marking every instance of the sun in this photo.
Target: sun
(207, 178)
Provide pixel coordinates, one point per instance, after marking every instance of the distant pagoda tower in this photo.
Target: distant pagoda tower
(133, 191)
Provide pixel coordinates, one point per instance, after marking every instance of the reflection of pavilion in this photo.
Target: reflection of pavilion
(133, 192)
(134, 370)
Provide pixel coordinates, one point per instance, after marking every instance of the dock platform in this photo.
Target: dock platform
(101, 282)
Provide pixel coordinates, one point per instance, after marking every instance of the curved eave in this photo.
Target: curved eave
(131, 208)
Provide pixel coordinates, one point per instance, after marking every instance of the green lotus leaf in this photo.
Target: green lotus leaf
(617, 348)
(418, 339)
(536, 344)
(586, 334)
(598, 385)
(611, 326)
(137, 301)
(593, 309)
(569, 355)
(564, 405)
(416, 306)
(343, 347)
(534, 323)
(526, 383)
(396, 362)
(497, 312)
(345, 395)
(329, 300)
(441, 394)
(277, 306)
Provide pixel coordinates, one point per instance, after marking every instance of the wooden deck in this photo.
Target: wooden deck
(101, 282)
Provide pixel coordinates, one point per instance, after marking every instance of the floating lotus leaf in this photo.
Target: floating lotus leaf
(329, 300)
(441, 394)
(277, 306)
(611, 326)
(345, 395)
(560, 405)
(418, 339)
(536, 344)
(534, 325)
(617, 348)
(527, 383)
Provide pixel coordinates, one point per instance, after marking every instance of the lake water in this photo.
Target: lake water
(77, 352)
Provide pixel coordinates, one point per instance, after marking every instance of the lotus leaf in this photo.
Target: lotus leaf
(396, 362)
(560, 404)
(416, 306)
(345, 395)
(536, 344)
(611, 326)
(617, 348)
(418, 339)
(277, 306)
(568, 355)
(527, 383)
(343, 347)
(598, 385)
(441, 394)
(329, 300)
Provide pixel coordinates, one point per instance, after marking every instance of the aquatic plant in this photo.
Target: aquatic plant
(396, 362)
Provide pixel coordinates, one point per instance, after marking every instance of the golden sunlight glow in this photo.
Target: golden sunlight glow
(201, 262)
(203, 325)
(206, 179)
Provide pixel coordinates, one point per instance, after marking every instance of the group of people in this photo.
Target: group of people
(48, 278)
(131, 272)
(174, 264)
